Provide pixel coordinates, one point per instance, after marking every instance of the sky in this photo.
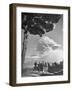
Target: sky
(47, 47)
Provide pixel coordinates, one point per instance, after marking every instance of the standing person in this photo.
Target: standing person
(39, 66)
(48, 67)
(35, 66)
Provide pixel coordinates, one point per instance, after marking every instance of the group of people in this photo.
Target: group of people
(39, 66)
(45, 66)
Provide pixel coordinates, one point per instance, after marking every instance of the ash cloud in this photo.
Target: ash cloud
(46, 43)
(49, 50)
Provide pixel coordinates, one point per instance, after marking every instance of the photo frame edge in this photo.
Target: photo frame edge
(12, 46)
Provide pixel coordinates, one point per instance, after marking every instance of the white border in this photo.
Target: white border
(20, 79)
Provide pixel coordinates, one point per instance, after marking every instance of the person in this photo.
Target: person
(35, 66)
(48, 65)
(39, 66)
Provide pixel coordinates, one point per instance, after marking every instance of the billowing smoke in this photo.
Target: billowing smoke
(47, 44)
(49, 50)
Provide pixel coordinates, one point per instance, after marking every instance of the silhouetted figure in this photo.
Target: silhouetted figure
(55, 64)
(48, 67)
(41, 67)
(35, 66)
